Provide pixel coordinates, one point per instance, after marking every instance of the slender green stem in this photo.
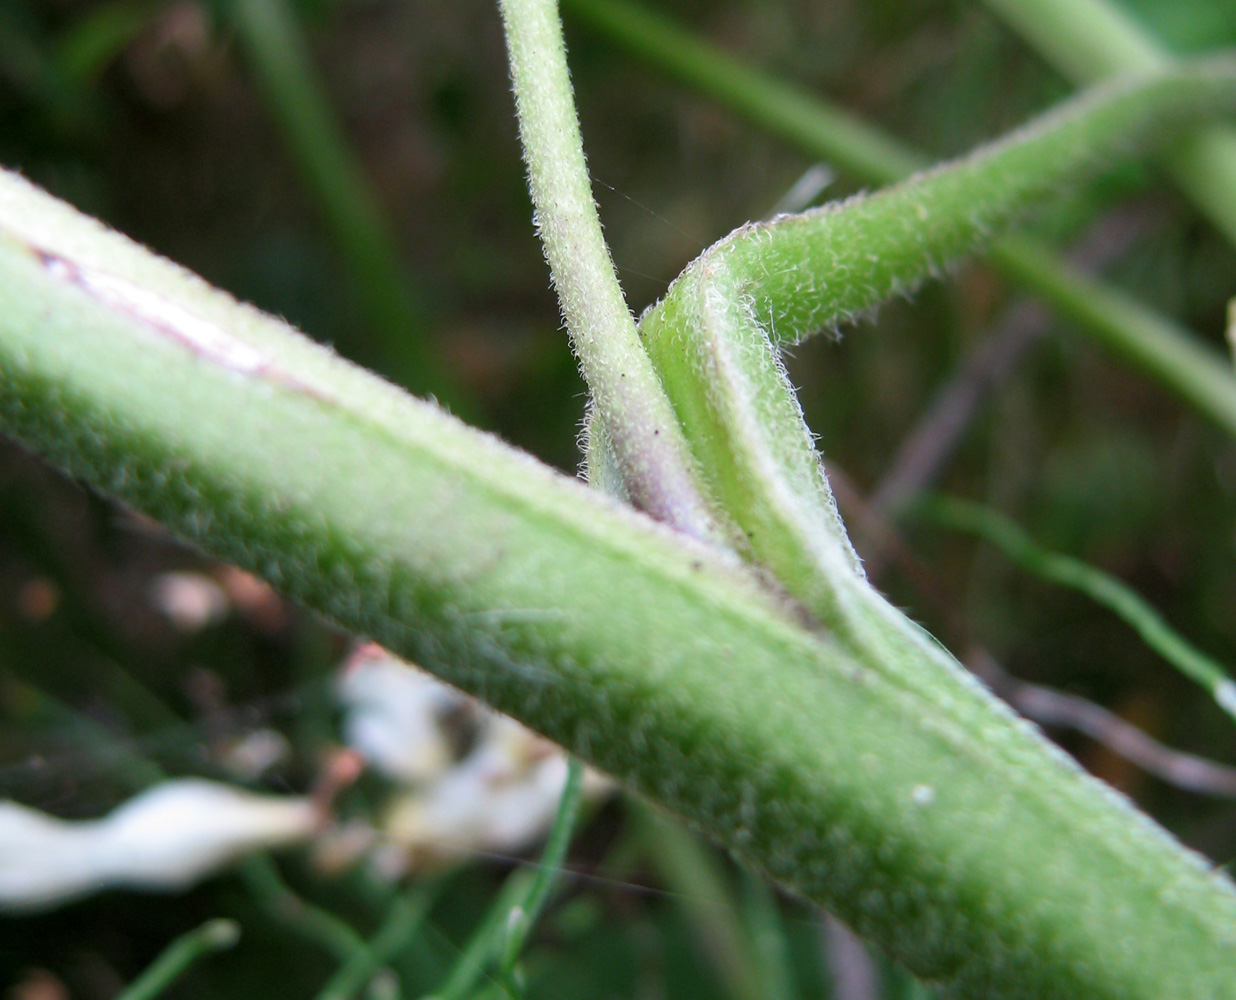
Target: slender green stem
(939, 826)
(809, 272)
(769, 941)
(1159, 346)
(1092, 39)
(404, 919)
(289, 910)
(279, 55)
(1199, 374)
(85, 49)
(697, 881)
(524, 915)
(212, 936)
(651, 454)
(1121, 600)
(479, 950)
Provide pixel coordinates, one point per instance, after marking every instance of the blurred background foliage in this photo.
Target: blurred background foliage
(164, 118)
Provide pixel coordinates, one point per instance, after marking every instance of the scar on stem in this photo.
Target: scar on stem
(173, 321)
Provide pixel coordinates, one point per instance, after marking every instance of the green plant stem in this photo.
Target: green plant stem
(654, 460)
(404, 919)
(713, 338)
(769, 942)
(1121, 600)
(809, 272)
(1160, 347)
(279, 56)
(212, 936)
(86, 48)
(478, 952)
(939, 826)
(695, 878)
(1199, 374)
(277, 900)
(524, 915)
(1089, 40)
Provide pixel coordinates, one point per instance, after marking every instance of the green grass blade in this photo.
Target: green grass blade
(174, 962)
(1121, 600)
(478, 953)
(523, 916)
(404, 919)
(285, 908)
(278, 52)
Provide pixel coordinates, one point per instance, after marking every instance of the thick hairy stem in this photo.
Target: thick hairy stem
(713, 340)
(645, 653)
(649, 449)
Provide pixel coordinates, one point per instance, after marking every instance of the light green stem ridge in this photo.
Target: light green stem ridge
(713, 338)
(1089, 40)
(212, 936)
(643, 652)
(1117, 597)
(1159, 346)
(648, 446)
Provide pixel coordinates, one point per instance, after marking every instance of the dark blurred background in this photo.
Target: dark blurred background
(160, 117)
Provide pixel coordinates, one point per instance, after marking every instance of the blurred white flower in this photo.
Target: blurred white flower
(396, 715)
(499, 797)
(166, 838)
(252, 754)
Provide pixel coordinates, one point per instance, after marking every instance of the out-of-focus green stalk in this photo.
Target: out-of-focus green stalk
(1089, 40)
(283, 906)
(84, 50)
(477, 953)
(212, 936)
(690, 871)
(279, 55)
(527, 911)
(405, 917)
(1121, 600)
